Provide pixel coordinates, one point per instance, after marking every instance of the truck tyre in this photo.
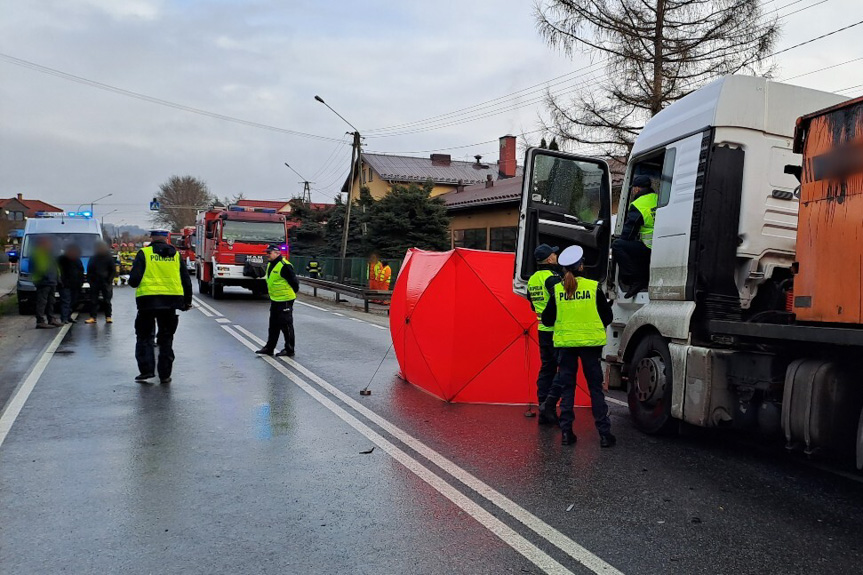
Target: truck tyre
(860, 443)
(203, 287)
(218, 290)
(649, 391)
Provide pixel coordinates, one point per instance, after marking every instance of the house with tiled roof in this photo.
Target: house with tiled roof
(14, 212)
(379, 172)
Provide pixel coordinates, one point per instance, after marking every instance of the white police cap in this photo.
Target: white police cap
(570, 256)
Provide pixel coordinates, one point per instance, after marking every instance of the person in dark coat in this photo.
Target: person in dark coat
(162, 286)
(46, 276)
(71, 281)
(101, 270)
(633, 248)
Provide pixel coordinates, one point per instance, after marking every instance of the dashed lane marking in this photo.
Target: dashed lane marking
(13, 408)
(311, 306)
(508, 535)
(616, 401)
(534, 523)
(358, 319)
(210, 308)
(203, 311)
(223, 320)
(338, 314)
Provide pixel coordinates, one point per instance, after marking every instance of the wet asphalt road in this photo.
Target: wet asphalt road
(244, 465)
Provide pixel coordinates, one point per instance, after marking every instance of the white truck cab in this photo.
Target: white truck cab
(723, 242)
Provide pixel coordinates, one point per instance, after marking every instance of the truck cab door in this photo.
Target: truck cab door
(566, 200)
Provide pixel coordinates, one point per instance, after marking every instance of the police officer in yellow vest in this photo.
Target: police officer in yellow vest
(540, 286)
(579, 314)
(283, 285)
(632, 249)
(162, 286)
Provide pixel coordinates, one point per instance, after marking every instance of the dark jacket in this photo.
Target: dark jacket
(287, 273)
(71, 272)
(154, 302)
(101, 269)
(549, 315)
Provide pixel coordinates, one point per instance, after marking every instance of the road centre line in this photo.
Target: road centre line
(212, 310)
(616, 401)
(203, 311)
(223, 320)
(358, 319)
(13, 408)
(311, 306)
(486, 519)
(546, 531)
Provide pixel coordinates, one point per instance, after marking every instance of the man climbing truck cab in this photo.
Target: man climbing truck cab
(231, 247)
(712, 342)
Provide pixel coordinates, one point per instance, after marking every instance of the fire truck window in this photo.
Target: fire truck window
(253, 232)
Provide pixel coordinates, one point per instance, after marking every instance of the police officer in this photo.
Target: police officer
(283, 286)
(313, 268)
(540, 286)
(579, 314)
(632, 249)
(162, 287)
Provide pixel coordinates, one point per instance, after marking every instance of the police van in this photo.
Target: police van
(63, 229)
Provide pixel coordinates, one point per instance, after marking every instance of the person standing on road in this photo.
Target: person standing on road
(313, 268)
(162, 286)
(540, 286)
(283, 285)
(100, 274)
(46, 276)
(579, 314)
(71, 280)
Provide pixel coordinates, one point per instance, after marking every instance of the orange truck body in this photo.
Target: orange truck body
(828, 286)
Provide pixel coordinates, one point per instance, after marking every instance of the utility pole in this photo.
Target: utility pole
(307, 189)
(356, 158)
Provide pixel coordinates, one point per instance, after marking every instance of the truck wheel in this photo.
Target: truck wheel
(650, 381)
(203, 287)
(218, 290)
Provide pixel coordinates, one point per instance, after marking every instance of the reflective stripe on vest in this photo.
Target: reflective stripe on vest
(161, 274)
(578, 323)
(646, 206)
(539, 295)
(279, 288)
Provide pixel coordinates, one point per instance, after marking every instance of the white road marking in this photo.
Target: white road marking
(561, 541)
(13, 408)
(338, 314)
(358, 319)
(376, 325)
(203, 311)
(486, 519)
(212, 310)
(223, 320)
(616, 401)
(311, 306)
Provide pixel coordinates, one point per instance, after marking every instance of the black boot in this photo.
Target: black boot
(567, 437)
(265, 351)
(548, 411)
(607, 440)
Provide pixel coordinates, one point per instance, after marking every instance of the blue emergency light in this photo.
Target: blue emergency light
(236, 209)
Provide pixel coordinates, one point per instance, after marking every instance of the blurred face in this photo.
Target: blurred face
(273, 255)
(552, 259)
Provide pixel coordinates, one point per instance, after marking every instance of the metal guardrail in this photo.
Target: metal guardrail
(356, 269)
(364, 294)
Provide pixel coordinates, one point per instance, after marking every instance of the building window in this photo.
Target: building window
(370, 175)
(503, 239)
(474, 239)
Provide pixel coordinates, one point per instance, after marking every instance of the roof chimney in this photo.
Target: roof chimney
(506, 163)
(460, 186)
(489, 183)
(20, 197)
(441, 159)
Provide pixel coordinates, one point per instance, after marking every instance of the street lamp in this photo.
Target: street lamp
(356, 157)
(93, 203)
(108, 214)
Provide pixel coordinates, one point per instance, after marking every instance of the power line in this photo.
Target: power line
(821, 37)
(153, 100)
(821, 69)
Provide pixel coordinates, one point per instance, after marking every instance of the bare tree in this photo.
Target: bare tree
(654, 53)
(180, 198)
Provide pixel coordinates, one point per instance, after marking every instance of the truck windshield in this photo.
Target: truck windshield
(59, 242)
(253, 232)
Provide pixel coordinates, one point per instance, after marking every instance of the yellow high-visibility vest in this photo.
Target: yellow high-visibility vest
(578, 323)
(161, 275)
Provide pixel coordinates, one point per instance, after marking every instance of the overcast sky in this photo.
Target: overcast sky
(379, 63)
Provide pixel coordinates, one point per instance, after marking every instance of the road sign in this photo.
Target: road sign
(154, 206)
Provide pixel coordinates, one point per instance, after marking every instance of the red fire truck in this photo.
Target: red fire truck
(184, 241)
(231, 244)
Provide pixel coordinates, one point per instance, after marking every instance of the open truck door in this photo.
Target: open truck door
(566, 200)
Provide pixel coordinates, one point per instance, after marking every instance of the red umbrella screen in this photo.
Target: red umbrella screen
(460, 332)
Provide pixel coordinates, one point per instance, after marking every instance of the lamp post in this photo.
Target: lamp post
(356, 157)
(108, 214)
(93, 203)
